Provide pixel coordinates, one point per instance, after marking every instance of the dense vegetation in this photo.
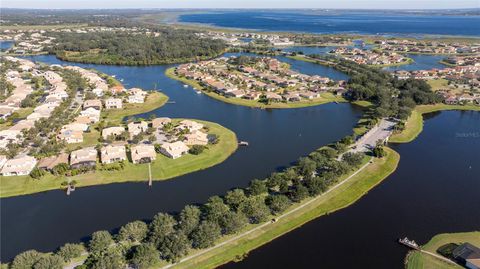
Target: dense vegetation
(392, 97)
(126, 48)
(169, 237)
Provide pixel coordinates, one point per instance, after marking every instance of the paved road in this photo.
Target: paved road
(380, 132)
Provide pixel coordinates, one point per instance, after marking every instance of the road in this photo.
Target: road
(378, 133)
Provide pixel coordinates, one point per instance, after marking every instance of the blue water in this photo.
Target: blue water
(4, 45)
(421, 62)
(339, 22)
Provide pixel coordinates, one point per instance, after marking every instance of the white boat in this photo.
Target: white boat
(185, 85)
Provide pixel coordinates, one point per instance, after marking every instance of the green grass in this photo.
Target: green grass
(325, 98)
(340, 198)
(162, 168)
(414, 124)
(438, 84)
(21, 114)
(418, 260)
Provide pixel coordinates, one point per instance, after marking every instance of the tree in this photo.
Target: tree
(111, 260)
(257, 187)
(100, 241)
(379, 151)
(145, 256)
(26, 260)
(277, 203)
(189, 219)
(215, 209)
(315, 186)
(233, 222)
(255, 209)
(134, 231)
(49, 262)
(196, 149)
(298, 192)
(205, 234)
(161, 226)
(353, 159)
(307, 167)
(37, 173)
(235, 198)
(70, 251)
(175, 246)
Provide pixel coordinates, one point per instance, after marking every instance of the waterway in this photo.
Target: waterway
(277, 138)
(434, 190)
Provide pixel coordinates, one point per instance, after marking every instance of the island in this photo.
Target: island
(261, 82)
(77, 135)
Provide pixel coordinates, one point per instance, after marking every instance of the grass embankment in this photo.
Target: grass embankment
(343, 196)
(414, 124)
(162, 168)
(418, 260)
(325, 98)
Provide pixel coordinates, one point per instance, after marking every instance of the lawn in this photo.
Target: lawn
(418, 260)
(414, 124)
(438, 84)
(325, 98)
(343, 196)
(162, 168)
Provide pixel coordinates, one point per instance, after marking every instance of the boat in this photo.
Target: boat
(243, 143)
(409, 243)
(185, 85)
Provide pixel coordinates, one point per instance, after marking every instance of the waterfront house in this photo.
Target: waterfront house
(136, 99)
(135, 128)
(95, 103)
(143, 153)
(189, 125)
(195, 138)
(117, 89)
(49, 163)
(467, 255)
(86, 157)
(174, 150)
(273, 97)
(160, 122)
(112, 131)
(98, 92)
(113, 103)
(19, 166)
(309, 95)
(113, 153)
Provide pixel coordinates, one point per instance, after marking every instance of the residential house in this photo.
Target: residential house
(468, 255)
(189, 125)
(9, 136)
(76, 127)
(136, 99)
(86, 157)
(112, 131)
(113, 153)
(92, 113)
(196, 138)
(174, 150)
(160, 122)
(19, 166)
(143, 153)
(95, 103)
(113, 103)
(70, 136)
(50, 162)
(135, 128)
(3, 160)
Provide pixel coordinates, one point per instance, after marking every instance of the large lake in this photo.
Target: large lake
(277, 138)
(349, 22)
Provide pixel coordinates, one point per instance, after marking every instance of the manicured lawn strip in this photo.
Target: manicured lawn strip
(163, 168)
(325, 98)
(418, 260)
(339, 198)
(414, 124)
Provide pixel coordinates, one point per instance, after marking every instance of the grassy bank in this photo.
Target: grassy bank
(352, 190)
(414, 124)
(325, 98)
(418, 260)
(162, 168)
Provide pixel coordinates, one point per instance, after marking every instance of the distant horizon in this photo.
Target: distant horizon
(246, 8)
(246, 4)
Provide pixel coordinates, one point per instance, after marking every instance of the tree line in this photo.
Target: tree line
(125, 48)
(169, 237)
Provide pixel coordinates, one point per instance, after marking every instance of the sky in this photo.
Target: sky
(329, 4)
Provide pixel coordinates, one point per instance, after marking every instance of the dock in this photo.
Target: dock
(409, 243)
